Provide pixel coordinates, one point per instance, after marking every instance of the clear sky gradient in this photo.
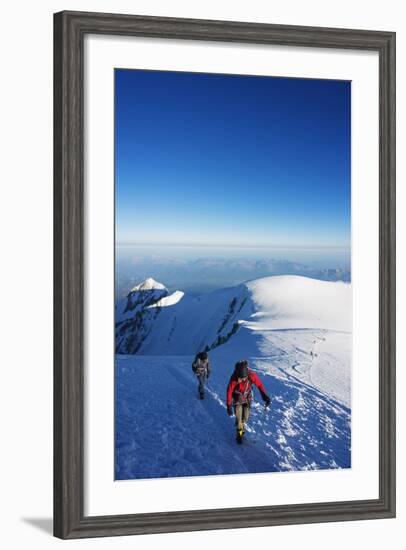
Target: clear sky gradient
(205, 159)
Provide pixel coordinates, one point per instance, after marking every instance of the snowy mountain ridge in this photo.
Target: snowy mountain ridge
(150, 321)
(149, 284)
(295, 333)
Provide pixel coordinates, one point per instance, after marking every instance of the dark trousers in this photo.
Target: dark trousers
(202, 380)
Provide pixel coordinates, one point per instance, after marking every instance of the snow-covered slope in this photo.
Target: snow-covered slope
(177, 324)
(152, 322)
(293, 302)
(164, 430)
(295, 333)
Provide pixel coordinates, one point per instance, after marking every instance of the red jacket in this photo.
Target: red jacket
(243, 389)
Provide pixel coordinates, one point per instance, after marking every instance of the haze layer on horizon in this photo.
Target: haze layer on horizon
(203, 269)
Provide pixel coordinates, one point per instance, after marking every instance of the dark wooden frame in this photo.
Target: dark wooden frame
(69, 31)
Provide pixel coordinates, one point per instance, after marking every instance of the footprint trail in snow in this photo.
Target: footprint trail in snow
(164, 430)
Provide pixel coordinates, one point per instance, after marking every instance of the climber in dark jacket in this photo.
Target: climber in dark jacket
(201, 368)
(239, 395)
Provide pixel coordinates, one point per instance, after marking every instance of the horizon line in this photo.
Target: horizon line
(228, 245)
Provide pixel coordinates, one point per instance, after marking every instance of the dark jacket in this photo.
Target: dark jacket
(201, 367)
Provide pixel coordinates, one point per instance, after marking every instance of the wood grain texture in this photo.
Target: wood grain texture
(69, 30)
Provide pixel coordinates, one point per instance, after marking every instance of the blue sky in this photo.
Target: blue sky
(229, 160)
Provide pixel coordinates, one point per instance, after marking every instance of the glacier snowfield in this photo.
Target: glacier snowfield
(295, 333)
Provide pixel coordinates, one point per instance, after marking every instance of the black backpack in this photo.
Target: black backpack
(200, 366)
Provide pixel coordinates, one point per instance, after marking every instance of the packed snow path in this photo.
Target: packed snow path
(164, 430)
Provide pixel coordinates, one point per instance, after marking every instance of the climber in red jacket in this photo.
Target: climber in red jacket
(239, 395)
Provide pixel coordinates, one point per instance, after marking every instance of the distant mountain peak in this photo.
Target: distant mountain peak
(149, 284)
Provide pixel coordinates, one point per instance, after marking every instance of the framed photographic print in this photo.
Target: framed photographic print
(224, 275)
